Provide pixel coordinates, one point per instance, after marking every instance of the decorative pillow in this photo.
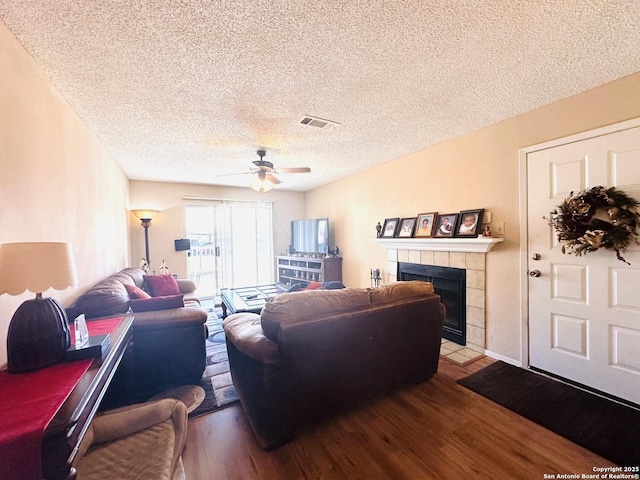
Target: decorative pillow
(156, 303)
(162, 285)
(313, 286)
(136, 292)
(296, 287)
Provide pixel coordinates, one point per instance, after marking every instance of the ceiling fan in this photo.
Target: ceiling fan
(266, 172)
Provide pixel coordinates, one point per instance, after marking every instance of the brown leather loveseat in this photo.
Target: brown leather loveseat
(168, 346)
(312, 353)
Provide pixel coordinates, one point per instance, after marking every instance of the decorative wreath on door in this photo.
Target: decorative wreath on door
(597, 218)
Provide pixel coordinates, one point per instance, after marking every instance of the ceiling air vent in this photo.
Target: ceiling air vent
(318, 122)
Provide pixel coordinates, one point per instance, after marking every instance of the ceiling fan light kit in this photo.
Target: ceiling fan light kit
(266, 179)
(261, 184)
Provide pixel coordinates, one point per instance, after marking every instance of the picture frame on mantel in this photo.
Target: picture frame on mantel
(406, 227)
(446, 225)
(389, 228)
(425, 224)
(469, 223)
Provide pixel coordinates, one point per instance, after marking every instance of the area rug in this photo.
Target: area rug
(216, 379)
(602, 426)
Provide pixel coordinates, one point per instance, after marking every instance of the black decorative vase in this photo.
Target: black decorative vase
(38, 335)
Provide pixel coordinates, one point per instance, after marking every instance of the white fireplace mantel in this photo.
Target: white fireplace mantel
(473, 245)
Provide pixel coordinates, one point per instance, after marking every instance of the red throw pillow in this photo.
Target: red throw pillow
(313, 286)
(136, 292)
(162, 285)
(157, 303)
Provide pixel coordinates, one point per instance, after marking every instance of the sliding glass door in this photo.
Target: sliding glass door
(231, 244)
(204, 260)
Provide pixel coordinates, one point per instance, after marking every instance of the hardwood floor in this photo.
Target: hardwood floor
(435, 430)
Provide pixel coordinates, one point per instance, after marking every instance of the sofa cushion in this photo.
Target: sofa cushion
(136, 274)
(297, 306)
(156, 303)
(109, 297)
(400, 291)
(162, 285)
(136, 292)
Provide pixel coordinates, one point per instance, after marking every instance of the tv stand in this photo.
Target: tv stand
(294, 269)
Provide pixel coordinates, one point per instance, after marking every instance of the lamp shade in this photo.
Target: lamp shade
(37, 267)
(38, 334)
(145, 214)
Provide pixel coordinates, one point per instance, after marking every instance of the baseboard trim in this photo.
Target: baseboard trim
(497, 356)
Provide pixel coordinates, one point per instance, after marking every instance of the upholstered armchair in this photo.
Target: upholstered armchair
(138, 441)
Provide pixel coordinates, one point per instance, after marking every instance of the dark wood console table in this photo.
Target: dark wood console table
(63, 434)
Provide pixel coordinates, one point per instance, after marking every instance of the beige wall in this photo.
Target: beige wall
(477, 170)
(169, 223)
(56, 182)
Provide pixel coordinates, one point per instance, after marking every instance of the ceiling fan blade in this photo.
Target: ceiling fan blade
(232, 174)
(272, 179)
(294, 170)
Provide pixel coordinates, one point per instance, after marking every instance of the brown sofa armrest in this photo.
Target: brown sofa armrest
(244, 331)
(186, 286)
(124, 421)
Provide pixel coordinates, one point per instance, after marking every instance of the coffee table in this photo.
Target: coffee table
(248, 299)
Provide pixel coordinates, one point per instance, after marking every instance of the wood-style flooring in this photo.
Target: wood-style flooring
(435, 430)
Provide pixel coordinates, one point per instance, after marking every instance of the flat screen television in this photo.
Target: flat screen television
(310, 236)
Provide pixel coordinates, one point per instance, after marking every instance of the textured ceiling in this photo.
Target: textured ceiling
(188, 90)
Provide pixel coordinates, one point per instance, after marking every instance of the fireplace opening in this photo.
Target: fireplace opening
(451, 284)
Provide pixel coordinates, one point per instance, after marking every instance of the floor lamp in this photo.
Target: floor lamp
(38, 333)
(145, 217)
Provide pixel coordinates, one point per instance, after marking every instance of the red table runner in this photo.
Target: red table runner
(28, 402)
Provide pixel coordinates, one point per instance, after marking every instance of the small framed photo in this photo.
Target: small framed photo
(446, 225)
(469, 223)
(389, 228)
(406, 227)
(424, 224)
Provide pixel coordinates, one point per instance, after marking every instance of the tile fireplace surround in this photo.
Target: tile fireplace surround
(468, 254)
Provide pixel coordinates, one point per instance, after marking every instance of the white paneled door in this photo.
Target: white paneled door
(584, 311)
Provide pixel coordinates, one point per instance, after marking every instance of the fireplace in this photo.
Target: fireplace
(467, 254)
(451, 284)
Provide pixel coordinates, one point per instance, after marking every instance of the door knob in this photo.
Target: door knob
(534, 273)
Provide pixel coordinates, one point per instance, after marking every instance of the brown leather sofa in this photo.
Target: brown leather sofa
(168, 346)
(312, 353)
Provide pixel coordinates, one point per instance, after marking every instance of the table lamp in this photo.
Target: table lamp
(38, 333)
